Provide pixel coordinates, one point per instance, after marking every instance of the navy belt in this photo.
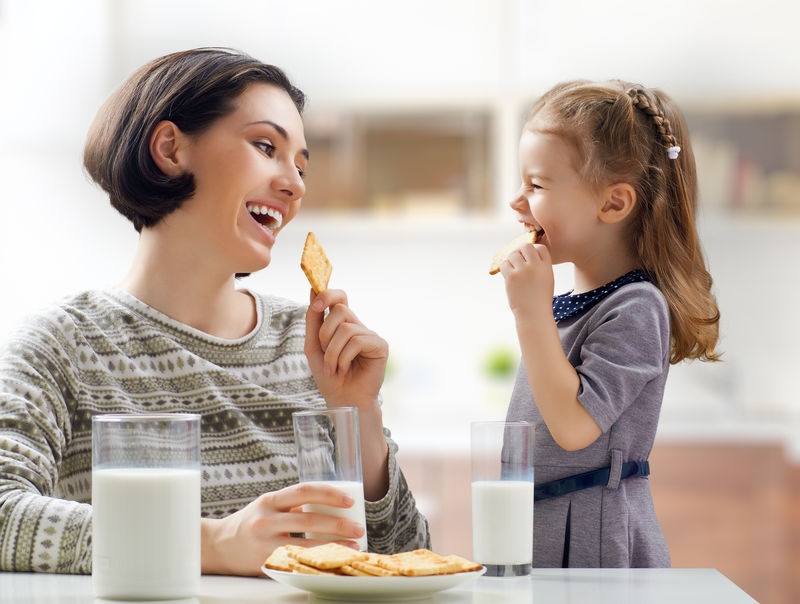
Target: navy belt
(586, 480)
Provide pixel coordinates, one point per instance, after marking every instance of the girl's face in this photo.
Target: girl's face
(553, 199)
(248, 169)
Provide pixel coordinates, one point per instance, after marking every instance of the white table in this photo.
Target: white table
(577, 585)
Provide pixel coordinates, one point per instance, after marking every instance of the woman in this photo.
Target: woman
(204, 152)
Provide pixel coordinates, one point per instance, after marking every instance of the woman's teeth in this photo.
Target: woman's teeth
(272, 218)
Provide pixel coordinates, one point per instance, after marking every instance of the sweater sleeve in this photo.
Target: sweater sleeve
(38, 530)
(394, 524)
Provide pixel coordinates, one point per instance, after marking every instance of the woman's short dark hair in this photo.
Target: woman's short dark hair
(191, 88)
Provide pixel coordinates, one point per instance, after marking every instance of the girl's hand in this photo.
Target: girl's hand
(348, 360)
(238, 544)
(528, 273)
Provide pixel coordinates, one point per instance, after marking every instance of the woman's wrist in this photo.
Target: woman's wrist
(210, 560)
(374, 452)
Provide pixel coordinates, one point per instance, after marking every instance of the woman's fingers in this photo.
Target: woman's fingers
(295, 496)
(339, 314)
(310, 522)
(314, 542)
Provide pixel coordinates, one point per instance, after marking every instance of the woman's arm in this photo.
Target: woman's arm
(348, 362)
(38, 532)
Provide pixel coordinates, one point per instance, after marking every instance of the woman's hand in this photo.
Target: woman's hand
(528, 273)
(239, 543)
(348, 360)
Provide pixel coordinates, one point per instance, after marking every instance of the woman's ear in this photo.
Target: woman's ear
(618, 202)
(166, 144)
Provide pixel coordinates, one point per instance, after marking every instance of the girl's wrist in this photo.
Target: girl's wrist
(534, 320)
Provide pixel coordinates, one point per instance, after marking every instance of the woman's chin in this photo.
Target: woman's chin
(253, 265)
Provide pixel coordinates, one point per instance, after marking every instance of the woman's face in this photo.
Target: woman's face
(553, 198)
(248, 169)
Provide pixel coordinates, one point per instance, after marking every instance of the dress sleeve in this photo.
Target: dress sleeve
(38, 531)
(394, 524)
(626, 349)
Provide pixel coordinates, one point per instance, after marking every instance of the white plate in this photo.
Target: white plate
(356, 589)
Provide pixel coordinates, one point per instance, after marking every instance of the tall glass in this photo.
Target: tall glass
(329, 452)
(146, 506)
(502, 497)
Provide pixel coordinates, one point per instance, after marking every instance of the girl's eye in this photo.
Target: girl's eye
(301, 172)
(265, 147)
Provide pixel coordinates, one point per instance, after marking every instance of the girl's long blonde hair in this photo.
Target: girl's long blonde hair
(621, 132)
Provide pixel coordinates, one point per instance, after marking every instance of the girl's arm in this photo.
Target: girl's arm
(554, 382)
(555, 385)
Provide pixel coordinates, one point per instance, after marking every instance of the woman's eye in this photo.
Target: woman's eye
(265, 147)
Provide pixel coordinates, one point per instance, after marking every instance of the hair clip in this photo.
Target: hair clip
(672, 152)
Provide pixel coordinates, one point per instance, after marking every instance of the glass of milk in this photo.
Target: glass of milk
(329, 452)
(146, 506)
(502, 496)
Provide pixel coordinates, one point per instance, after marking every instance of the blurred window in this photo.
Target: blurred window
(399, 163)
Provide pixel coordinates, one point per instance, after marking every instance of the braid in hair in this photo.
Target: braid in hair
(640, 100)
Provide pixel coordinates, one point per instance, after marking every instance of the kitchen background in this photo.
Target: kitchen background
(412, 121)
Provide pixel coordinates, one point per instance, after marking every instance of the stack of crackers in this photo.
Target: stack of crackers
(336, 559)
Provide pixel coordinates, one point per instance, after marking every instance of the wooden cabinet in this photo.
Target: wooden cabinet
(727, 506)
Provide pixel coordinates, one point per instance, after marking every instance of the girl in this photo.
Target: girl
(608, 184)
(204, 152)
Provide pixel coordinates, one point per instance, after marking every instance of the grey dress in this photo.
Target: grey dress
(620, 349)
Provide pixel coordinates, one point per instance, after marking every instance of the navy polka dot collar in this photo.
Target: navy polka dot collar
(565, 305)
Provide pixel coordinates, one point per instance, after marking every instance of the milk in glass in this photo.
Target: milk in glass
(146, 532)
(355, 512)
(502, 522)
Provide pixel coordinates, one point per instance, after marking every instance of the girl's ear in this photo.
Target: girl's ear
(618, 202)
(166, 146)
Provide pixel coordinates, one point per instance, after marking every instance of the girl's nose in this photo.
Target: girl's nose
(519, 202)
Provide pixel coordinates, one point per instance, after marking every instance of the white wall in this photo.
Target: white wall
(423, 282)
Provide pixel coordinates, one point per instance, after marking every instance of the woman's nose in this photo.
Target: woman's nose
(290, 184)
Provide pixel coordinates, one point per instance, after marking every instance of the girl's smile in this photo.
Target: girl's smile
(553, 200)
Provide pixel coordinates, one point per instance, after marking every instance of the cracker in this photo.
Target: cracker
(372, 569)
(279, 559)
(418, 563)
(347, 569)
(315, 264)
(336, 559)
(299, 567)
(516, 243)
(328, 556)
(462, 564)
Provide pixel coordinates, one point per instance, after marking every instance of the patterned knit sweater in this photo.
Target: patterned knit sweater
(107, 352)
